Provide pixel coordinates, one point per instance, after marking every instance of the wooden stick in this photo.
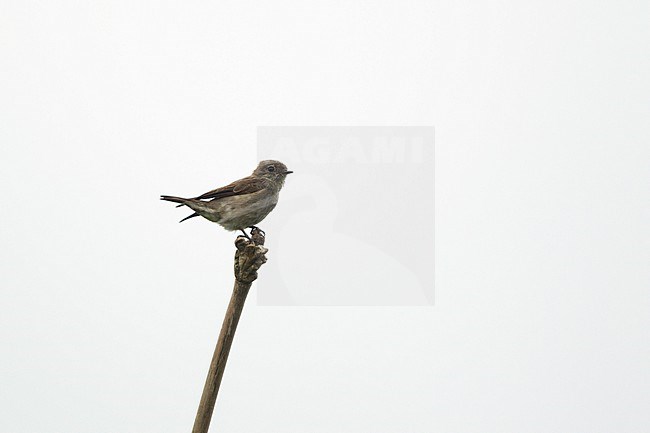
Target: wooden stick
(249, 257)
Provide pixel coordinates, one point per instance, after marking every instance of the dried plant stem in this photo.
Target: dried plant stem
(249, 257)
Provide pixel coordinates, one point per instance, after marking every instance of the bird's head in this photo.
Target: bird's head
(272, 170)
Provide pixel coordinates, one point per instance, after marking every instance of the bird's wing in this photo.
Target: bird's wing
(243, 186)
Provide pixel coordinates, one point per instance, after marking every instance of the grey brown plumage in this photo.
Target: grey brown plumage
(241, 204)
(246, 185)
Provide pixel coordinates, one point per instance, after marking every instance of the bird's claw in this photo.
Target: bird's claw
(259, 230)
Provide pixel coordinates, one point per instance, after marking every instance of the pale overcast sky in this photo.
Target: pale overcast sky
(110, 309)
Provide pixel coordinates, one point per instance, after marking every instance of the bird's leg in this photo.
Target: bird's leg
(245, 234)
(258, 229)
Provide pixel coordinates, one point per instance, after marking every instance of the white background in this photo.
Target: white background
(110, 309)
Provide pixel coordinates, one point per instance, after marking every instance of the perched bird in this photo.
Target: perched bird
(243, 203)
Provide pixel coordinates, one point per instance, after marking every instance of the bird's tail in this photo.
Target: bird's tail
(182, 201)
(188, 217)
(174, 199)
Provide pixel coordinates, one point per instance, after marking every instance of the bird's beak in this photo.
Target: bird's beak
(288, 172)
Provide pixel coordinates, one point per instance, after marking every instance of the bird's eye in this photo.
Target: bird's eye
(271, 168)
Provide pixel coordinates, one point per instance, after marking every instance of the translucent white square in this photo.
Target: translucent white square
(355, 221)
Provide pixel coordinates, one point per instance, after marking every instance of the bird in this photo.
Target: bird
(241, 204)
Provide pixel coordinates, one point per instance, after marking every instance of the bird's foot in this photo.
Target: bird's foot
(245, 235)
(257, 235)
(262, 232)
